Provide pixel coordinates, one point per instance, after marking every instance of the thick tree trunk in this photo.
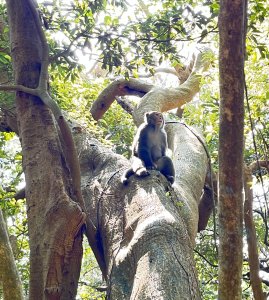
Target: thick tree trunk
(231, 59)
(147, 229)
(54, 220)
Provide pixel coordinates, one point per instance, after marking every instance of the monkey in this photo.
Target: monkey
(149, 149)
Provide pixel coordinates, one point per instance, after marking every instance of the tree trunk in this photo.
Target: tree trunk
(9, 277)
(147, 229)
(231, 59)
(54, 220)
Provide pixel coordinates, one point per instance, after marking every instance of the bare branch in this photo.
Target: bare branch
(256, 165)
(205, 259)
(125, 104)
(167, 70)
(119, 87)
(165, 99)
(154, 98)
(19, 88)
(183, 72)
(251, 237)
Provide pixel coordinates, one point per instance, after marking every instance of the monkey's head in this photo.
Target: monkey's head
(154, 118)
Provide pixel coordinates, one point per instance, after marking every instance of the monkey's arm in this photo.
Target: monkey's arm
(164, 145)
(146, 158)
(144, 149)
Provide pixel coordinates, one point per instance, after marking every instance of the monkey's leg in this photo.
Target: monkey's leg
(125, 176)
(166, 167)
(138, 167)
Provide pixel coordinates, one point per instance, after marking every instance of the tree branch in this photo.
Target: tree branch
(181, 72)
(154, 98)
(119, 87)
(256, 165)
(19, 88)
(132, 221)
(41, 91)
(128, 107)
(251, 237)
(165, 99)
(166, 70)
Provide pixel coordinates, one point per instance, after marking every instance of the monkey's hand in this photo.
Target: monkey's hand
(171, 179)
(153, 167)
(142, 172)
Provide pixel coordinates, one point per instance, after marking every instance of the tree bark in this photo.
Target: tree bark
(253, 256)
(9, 277)
(54, 220)
(147, 229)
(231, 59)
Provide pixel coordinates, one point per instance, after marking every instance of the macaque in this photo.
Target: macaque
(149, 149)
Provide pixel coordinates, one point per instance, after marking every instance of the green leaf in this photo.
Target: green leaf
(107, 20)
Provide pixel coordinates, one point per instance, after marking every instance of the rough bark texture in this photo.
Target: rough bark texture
(147, 229)
(54, 220)
(231, 59)
(9, 277)
(144, 237)
(188, 150)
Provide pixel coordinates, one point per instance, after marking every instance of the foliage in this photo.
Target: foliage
(14, 210)
(207, 263)
(115, 129)
(10, 169)
(90, 278)
(123, 35)
(258, 28)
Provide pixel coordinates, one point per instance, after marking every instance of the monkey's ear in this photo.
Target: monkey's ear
(146, 117)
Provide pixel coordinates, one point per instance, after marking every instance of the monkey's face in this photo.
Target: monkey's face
(155, 118)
